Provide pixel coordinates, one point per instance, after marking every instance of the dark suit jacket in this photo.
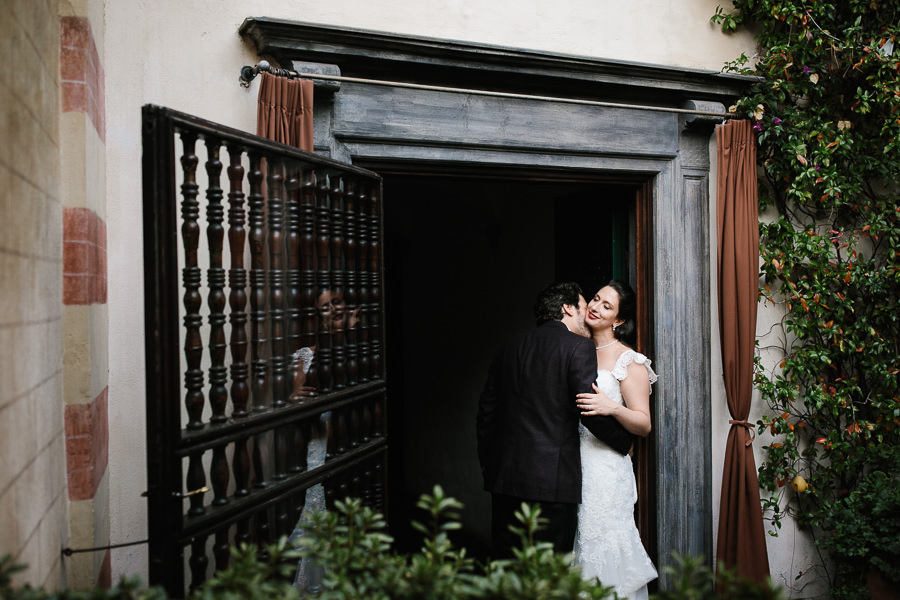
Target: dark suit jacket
(527, 423)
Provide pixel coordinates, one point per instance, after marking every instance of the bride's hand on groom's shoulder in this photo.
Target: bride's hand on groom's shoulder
(596, 403)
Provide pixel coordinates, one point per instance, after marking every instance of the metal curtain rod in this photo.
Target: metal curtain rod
(248, 73)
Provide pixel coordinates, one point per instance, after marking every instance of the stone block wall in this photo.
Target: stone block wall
(33, 499)
(84, 277)
(54, 428)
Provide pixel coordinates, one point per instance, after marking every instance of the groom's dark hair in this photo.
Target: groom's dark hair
(549, 303)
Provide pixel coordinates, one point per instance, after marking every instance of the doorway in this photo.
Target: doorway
(465, 256)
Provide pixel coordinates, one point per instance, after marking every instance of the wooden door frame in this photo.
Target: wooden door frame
(645, 448)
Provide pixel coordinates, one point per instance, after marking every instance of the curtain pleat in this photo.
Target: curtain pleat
(285, 111)
(741, 539)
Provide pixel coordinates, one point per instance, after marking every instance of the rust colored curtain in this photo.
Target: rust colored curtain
(742, 540)
(284, 111)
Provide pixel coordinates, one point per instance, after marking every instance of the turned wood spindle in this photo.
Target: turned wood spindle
(362, 270)
(191, 277)
(219, 476)
(258, 341)
(198, 561)
(308, 312)
(335, 216)
(351, 276)
(237, 283)
(276, 219)
(292, 246)
(195, 482)
(375, 307)
(215, 235)
(275, 211)
(240, 463)
(323, 288)
(222, 549)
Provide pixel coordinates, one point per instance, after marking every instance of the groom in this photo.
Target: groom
(527, 423)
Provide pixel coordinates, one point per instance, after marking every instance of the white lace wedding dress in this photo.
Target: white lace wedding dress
(607, 543)
(308, 578)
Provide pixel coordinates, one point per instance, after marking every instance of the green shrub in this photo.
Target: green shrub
(866, 534)
(353, 552)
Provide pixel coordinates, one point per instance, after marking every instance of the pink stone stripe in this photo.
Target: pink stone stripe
(87, 446)
(81, 73)
(84, 257)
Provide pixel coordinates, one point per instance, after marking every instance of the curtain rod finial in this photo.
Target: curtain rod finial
(247, 75)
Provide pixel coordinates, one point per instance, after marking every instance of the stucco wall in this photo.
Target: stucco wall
(187, 56)
(33, 506)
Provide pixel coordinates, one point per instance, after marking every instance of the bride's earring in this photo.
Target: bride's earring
(614, 327)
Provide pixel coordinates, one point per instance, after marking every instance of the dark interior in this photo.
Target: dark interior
(465, 257)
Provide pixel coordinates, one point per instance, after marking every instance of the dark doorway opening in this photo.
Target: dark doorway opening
(465, 257)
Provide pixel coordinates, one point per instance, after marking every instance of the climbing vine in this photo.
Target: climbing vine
(825, 104)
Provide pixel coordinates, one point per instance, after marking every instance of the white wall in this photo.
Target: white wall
(187, 56)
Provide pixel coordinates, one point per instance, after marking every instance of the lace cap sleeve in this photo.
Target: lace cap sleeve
(303, 357)
(620, 371)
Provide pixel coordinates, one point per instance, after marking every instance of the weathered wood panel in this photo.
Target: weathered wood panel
(446, 119)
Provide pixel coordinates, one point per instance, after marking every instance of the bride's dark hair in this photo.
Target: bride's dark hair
(627, 331)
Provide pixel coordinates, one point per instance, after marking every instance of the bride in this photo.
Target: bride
(607, 543)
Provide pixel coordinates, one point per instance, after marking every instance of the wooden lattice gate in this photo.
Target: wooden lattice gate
(264, 340)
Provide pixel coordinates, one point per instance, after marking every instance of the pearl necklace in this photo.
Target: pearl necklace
(607, 345)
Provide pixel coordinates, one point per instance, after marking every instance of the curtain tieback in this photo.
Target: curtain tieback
(744, 423)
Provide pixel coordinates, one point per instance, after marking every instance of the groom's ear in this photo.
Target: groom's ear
(568, 310)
